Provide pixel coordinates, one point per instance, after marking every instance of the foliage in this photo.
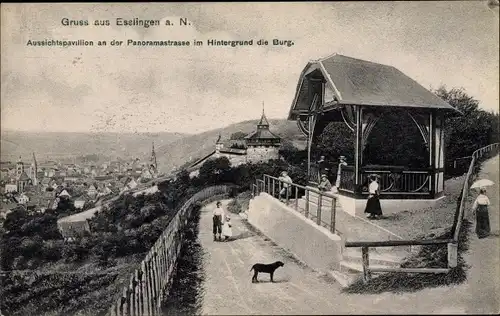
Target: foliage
(395, 140)
(28, 239)
(237, 135)
(234, 206)
(474, 129)
(336, 140)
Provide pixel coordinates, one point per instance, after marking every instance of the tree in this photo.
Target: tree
(395, 140)
(238, 135)
(336, 140)
(473, 129)
(215, 170)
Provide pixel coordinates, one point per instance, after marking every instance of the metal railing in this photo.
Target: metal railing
(452, 243)
(290, 193)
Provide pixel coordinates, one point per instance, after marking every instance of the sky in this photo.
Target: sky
(195, 89)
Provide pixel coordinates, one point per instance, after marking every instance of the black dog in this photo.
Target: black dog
(265, 268)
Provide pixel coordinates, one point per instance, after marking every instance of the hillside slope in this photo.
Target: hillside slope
(193, 147)
(58, 145)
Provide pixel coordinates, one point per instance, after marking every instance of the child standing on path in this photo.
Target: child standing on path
(227, 232)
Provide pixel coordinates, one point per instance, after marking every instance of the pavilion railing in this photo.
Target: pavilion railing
(477, 156)
(322, 209)
(391, 180)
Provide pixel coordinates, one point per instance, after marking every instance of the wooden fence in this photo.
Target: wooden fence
(150, 282)
(478, 155)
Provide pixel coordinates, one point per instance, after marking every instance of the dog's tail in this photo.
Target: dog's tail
(252, 268)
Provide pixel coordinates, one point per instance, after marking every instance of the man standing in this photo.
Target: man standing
(218, 220)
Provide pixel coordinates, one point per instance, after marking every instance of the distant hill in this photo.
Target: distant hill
(192, 147)
(59, 145)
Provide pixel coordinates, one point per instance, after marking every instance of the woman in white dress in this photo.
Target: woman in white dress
(373, 207)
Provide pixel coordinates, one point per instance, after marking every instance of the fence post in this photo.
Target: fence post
(125, 301)
(140, 278)
(288, 193)
(296, 198)
(333, 214)
(366, 264)
(318, 213)
(306, 214)
(274, 185)
(452, 255)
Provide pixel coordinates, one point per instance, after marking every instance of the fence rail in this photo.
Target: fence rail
(291, 194)
(483, 152)
(149, 283)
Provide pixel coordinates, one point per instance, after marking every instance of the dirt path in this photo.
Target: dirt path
(484, 254)
(227, 287)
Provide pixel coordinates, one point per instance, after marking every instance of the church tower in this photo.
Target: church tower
(153, 164)
(34, 171)
(19, 168)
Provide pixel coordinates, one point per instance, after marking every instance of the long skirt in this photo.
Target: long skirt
(217, 224)
(482, 221)
(373, 206)
(226, 230)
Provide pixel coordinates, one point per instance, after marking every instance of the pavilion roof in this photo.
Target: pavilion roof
(360, 82)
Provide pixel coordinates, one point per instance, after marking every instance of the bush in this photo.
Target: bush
(234, 206)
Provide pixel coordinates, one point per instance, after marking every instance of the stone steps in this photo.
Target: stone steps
(352, 228)
(351, 267)
(385, 258)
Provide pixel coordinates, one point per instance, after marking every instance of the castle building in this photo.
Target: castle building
(260, 145)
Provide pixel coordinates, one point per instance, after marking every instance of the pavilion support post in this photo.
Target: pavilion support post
(358, 146)
(432, 153)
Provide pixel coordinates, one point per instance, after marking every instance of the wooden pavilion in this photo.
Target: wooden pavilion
(358, 93)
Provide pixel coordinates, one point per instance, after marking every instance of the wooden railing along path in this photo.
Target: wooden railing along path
(149, 283)
(484, 152)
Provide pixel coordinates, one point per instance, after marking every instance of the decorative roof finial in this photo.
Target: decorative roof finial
(263, 120)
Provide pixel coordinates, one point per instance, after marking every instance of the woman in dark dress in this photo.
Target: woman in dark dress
(373, 207)
(480, 208)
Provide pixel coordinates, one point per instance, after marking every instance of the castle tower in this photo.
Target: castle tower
(262, 144)
(218, 146)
